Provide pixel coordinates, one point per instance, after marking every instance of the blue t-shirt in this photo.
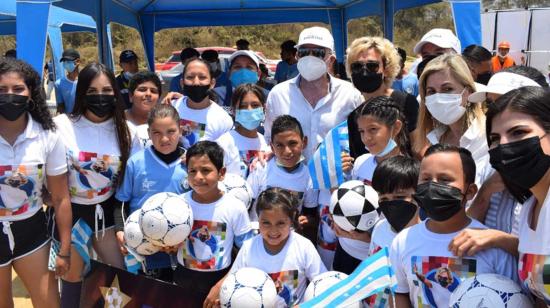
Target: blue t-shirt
(285, 71)
(408, 84)
(65, 91)
(146, 175)
(175, 84)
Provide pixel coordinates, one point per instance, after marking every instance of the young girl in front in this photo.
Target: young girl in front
(289, 258)
(244, 143)
(382, 128)
(158, 168)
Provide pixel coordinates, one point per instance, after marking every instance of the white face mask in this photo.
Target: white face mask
(311, 68)
(446, 108)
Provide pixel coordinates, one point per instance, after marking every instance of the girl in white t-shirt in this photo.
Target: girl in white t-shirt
(518, 124)
(244, 143)
(201, 117)
(98, 143)
(381, 125)
(33, 155)
(290, 259)
(144, 91)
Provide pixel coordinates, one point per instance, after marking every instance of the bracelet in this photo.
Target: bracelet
(64, 257)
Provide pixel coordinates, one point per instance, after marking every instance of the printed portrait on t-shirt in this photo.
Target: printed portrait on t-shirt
(326, 237)
(439, 277)
(192, 132)
(299, 195)
(247, 156)
(204, 246)
(534, 272)
(18, 188)
(95, 173)
(286, 283)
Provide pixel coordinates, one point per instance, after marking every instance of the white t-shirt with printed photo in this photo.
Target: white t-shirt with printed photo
(240, 151)
(215, 226)
(429, 273)
(297, 182)
(534, 249)
(291, 269)
(36, 153)
(142, 133)
(202, 124)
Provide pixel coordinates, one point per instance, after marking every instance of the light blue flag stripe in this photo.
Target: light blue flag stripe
(337, 150)
(311, 167)
(132, 264)
(324, 164)
(81, 235)
(373, 273)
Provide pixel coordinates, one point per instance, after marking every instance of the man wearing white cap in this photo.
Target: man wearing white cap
(434, 43)
(244, 67)
(318, 100)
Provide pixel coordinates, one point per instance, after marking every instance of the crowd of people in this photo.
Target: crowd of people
(457, 148)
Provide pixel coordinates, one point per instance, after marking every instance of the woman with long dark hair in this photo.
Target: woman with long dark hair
(33, 155)
(98, 144)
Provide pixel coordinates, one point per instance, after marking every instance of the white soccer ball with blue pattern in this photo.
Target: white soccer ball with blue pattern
(134, 237)
(353, 206)
(489, 290)
(166, 219)
(248, 288)
(236, 186)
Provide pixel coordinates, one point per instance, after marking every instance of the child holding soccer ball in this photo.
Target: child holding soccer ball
(157, 168)
(220, 222)
(290, 259)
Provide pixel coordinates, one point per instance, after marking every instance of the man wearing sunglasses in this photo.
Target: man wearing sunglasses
(314, 97)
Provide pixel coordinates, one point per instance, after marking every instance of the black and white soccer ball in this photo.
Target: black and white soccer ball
(133, 236)
(248, 288)
(489, 290)
(353, 206)
(236, 186)
(166, 219)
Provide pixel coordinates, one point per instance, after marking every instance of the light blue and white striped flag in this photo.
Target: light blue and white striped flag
(325, 167)
(81, 239)
(370, 277)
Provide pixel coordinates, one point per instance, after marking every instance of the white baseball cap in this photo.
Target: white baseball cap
(501, 83)
(316, 36)
(443, 38)
(246, 53)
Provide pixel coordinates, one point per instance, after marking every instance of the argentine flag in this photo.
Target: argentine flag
(370, 277)
(325, 167)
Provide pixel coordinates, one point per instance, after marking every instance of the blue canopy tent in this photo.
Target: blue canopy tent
(150, 16)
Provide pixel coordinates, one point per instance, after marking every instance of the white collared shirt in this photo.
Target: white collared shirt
(36, 153)
(331, 110)
(475, 141)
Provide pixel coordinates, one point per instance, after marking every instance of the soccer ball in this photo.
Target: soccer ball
(353, 206)
(166, 219)
(248, 288)
(488, 290)
(234, 185)
(134, 237)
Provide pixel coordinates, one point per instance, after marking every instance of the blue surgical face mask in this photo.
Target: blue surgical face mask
(242, 76)
(250, 119)
(69, 66)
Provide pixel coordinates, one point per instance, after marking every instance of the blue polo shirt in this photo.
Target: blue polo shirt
(408, 84)
(65, 91)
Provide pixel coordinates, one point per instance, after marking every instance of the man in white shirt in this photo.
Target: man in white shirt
(318, 100)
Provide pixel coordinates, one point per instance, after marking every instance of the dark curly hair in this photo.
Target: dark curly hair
(38, 107)
(85, 78)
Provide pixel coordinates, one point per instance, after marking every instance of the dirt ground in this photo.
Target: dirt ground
(21, 298)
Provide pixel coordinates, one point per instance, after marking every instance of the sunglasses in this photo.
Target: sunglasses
(316, 52)
(369, 66)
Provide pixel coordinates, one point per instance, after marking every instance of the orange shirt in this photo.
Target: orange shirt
(498, 65)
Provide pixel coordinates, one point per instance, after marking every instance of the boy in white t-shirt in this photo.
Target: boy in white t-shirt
(426, 270)
(287, 170)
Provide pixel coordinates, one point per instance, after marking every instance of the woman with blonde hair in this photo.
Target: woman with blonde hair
(446, 116)
(373, 63)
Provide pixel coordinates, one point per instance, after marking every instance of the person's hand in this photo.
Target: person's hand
(170, 97)
(213, 298)
(471, 241)
(121, 242)
(62, 265)
(354, 235)
(347, 162)
(261, 158)
(303, 220)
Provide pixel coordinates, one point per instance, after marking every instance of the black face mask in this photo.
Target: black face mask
(439, 201)
(12, 106)
(367, 82)
(522, 162)
(101, 105)
(484, 78)
(443, 281)
(397, 212)
(196, 93)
